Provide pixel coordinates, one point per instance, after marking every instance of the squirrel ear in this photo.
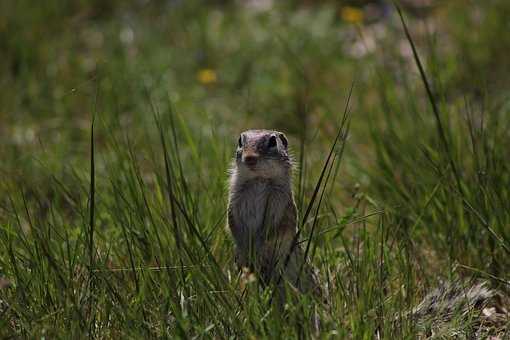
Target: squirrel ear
(284, 140)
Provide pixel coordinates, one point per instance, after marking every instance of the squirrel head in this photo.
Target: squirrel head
(263, 153)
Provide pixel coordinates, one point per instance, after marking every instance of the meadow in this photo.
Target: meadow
(119, 121)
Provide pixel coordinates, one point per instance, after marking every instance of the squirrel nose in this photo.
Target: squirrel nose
(250, 160)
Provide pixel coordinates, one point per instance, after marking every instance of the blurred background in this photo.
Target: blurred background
(230, 65)
(430, 169)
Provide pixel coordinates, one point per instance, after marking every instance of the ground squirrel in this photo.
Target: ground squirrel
(262, 214)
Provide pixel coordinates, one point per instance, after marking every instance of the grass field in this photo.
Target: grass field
(119, 120)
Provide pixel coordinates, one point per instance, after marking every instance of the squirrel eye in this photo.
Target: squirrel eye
(240, 142)
(272, 142)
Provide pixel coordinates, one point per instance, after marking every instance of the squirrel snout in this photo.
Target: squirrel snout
(250, 159)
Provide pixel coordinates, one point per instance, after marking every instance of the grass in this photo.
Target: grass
(118, 124)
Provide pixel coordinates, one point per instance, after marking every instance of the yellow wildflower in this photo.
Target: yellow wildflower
(351, 14)
(207, 76)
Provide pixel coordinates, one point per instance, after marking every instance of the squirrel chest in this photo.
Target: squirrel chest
(259, 204)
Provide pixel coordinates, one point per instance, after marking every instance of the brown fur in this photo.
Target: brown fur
(262, 215)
